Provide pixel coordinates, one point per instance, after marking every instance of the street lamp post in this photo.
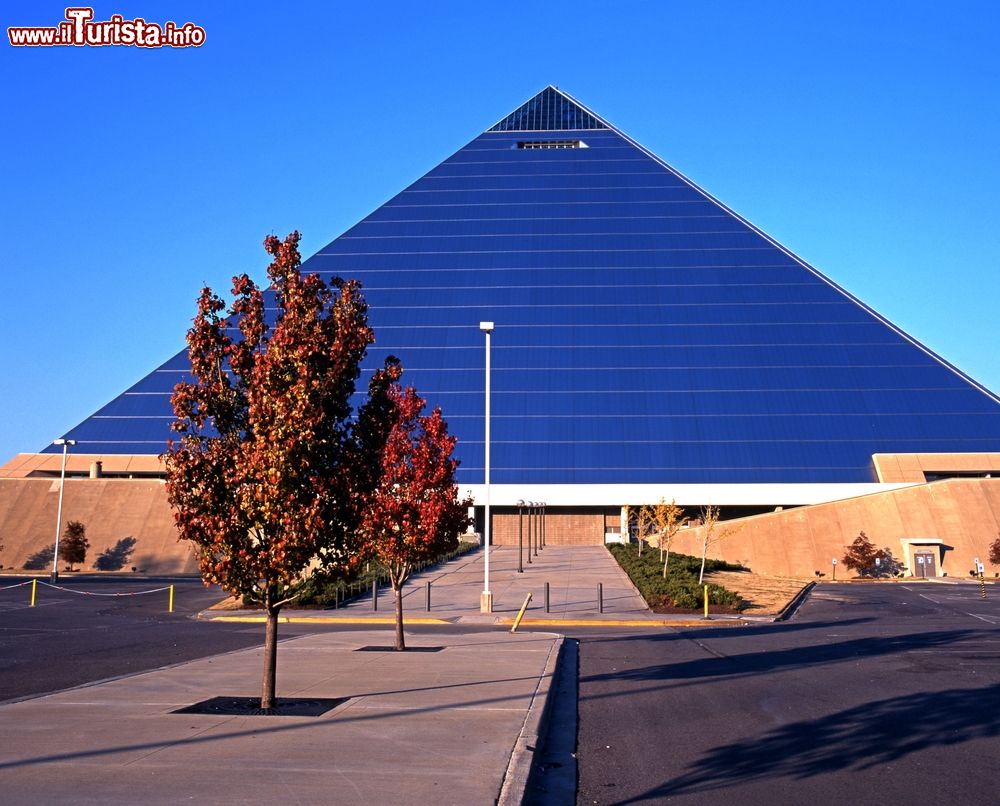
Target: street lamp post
(530, 505)
(543, 524)
(486, 599)
(538, 510)
(520, 538)
(66, 443)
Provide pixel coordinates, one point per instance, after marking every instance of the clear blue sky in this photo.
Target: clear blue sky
(864, 136)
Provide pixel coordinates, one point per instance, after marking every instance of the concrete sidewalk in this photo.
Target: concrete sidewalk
(573, 574)
(440, 727)
(458, 725)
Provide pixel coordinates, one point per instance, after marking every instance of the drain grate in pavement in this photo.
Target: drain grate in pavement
(250, 706)
(393, 649)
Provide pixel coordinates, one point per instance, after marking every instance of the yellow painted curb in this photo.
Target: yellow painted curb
(326, 620)
(623, 623)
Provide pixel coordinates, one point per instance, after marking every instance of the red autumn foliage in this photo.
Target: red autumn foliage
(413, 513)
(995, 551)
(261, 479)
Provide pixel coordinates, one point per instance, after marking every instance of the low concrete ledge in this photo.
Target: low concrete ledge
(515, 782)
(789, 609)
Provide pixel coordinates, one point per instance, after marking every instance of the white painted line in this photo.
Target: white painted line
(11, 609)
(983, 618)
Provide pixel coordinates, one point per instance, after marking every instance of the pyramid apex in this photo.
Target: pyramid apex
(549, 110)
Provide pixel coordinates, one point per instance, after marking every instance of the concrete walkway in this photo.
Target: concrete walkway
(573, 574)
(456, 725)
(449, 726)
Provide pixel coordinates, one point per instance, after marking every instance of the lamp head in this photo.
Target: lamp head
(486, 327)
(69, 442)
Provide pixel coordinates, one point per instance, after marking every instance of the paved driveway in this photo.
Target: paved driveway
(872, 694)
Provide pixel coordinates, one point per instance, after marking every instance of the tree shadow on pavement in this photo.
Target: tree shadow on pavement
(727, 631)
(755, 663)
(859, 738)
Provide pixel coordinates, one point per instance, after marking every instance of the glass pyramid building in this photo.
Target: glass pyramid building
(644, 332)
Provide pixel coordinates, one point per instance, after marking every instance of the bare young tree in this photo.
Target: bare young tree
(711, 534)
(709, 520)
(641, 518)
(667, 520)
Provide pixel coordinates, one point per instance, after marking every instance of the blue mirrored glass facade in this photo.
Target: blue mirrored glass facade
(644, 332)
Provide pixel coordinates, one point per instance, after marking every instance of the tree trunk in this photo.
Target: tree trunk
(270, 657)
(398, 574)
(397, 589)
(666, 560)
(704, 554)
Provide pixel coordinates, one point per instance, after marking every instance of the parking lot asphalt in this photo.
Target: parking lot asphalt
(870, 694)
(459, 725)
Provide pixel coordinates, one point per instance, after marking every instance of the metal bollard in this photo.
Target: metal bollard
(520, 614)
(374, 594)
(600, 597)
(546, 597)
(428, 596)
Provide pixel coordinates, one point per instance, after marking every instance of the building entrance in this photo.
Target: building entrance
(924, 564)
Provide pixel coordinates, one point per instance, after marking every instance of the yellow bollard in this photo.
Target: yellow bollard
(34, 585)
(170, 607)
(706, 601)
(520, 613)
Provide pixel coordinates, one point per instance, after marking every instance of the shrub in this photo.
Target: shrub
(680, 588)
(863, 557)
(324, 590)
(74, 545)
(860, 555)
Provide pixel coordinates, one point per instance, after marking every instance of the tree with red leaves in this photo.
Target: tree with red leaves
(74, 545)
(261, 479)
(861, 555)
(413, 513)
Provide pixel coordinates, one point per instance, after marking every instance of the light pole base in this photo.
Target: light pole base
(486, 602)
(54, 577)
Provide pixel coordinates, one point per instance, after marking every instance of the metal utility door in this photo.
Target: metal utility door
(926, 566)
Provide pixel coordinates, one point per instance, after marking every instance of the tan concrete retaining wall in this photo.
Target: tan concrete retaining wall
(111, 509)
(963, 514)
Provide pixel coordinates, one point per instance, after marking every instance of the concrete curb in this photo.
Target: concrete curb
(502, 623)
(324, 619)
(789, 609)
(515, 780)
(658, 623)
